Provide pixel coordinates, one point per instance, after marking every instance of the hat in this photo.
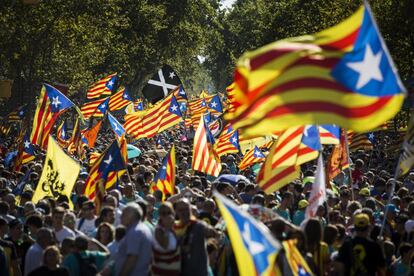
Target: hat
(391, 208)
(364, 192)
(303, 203)
(308, 179)
(361, 221)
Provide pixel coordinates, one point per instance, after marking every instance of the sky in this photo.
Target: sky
(228, 3)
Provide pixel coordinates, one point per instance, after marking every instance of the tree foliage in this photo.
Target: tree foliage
(77, 41)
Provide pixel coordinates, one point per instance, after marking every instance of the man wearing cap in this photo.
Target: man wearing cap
(360, 255)
(299, 215)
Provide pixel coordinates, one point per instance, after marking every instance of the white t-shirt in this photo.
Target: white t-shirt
(87, 227)
(63, 233)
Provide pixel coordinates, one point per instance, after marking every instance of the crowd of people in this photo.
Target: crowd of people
(136, 232)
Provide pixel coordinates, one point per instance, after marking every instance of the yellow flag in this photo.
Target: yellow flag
(59, 174)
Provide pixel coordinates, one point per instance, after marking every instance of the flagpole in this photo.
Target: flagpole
(394, 181)
(349, 162)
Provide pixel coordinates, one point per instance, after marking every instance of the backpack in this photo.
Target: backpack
(87, 266)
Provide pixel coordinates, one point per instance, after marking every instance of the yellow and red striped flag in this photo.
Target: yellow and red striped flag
(101, 87)
(342, 75)
(280, 165)
(105, 171)
(253, 156)
(91, 108)
(164, 180)
(227, 143)
(359, 141)
(119, 100)
(204, 158)
(338, 160)
(148, 123)
(50, 105)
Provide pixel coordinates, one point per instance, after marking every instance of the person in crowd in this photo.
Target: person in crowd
(166, 260)
(86, 222)
(360, 255)
(52, 260)
(90, 261)
(134, 251)
(192, 235)
(105, 233)
(34, 256)
(60, 230)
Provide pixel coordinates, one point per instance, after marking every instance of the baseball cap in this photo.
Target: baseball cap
(361, 221)
(303, 204)
(364, 192)
(392, 208)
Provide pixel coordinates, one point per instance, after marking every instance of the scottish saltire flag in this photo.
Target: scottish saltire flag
(330, 134)
(343, 76)
(50, 105)
(164, 180)
(253, 156)
(253, 245)
(116, 126)
(103, 86)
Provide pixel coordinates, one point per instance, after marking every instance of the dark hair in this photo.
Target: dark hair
(4, 208)
(120, 232)
(330, 234)
(81, 243)
(313, 232)
(35, 220)
(144, 206)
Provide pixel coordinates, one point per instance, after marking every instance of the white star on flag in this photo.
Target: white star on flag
(234, 140)
(368, 68)
(103, 105)
(164, 167)
(172, 75)
(257, 152)
(174, 108)
(27, 144)
(214, 104)
(116, 127)
(55, 101)
(63, 133)
(110, 83)
(305, 131)
(109, 160)
(254, 247)
(371, 136)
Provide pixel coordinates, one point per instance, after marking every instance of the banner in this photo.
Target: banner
(58, 176)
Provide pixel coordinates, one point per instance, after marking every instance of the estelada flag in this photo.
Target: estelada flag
(343, 76)
(58, 176)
